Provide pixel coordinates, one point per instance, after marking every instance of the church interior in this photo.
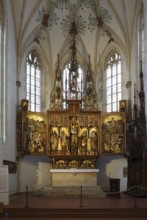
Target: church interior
(73, 101)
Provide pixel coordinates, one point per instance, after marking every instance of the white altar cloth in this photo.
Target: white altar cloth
(72, 170)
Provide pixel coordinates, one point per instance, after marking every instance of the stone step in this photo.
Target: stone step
(57, 191)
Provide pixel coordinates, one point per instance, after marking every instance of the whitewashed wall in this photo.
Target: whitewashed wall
(115, 169)
(43, 175)
(112, 167)
(27, 175)
(34, 173)
(8, 145)
(4, 184)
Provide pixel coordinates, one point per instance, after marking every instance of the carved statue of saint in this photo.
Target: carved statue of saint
(84, 139)
(54, 141)
(58, 92)
(74, 132)
(74, 135)
(73, 84)
(64, 141)
(89, 91)
(93, 141)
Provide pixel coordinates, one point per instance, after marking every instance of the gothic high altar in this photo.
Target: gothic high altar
(74, 137)
(74, 133)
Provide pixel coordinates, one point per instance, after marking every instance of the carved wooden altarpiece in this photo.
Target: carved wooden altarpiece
(72, 138)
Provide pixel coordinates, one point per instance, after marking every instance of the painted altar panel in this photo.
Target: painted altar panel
(36, 133)
(113, 133)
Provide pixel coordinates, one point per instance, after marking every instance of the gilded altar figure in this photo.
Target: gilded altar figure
(64, 141)
(84, 139)
(88, 164)
(59, 164)
(73, 164)
(74, 134)
(54, 141)
(37, 142)
(93, 141)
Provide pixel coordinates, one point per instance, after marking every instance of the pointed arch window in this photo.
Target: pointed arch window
(113, 83)
(33, 82)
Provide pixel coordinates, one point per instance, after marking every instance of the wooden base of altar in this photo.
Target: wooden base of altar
(74, 177)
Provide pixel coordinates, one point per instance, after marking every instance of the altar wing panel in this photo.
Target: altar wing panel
(113, 133)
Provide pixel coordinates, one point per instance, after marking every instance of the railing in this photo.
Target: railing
(83, 193)
(28, 204)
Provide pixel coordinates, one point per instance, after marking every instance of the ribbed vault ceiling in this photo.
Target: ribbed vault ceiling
(121, 28)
